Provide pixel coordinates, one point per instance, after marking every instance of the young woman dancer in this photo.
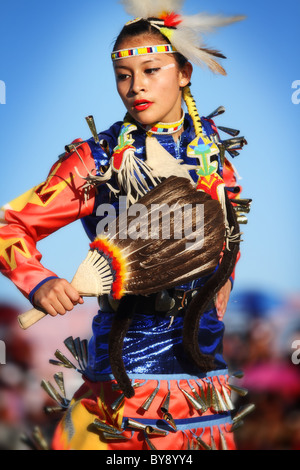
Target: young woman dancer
(178, 395)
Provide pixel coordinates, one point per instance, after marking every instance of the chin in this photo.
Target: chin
(145, 118)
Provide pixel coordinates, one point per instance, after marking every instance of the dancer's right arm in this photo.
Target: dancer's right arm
(33, 216)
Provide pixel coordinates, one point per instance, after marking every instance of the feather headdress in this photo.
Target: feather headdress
(185, 32)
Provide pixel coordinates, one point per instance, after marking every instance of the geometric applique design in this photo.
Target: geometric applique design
(41, 195)
(9, 249)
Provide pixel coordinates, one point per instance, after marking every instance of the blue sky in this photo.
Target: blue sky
(55, 62)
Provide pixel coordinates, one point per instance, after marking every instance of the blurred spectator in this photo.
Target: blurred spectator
(22, 399)
(260, 343)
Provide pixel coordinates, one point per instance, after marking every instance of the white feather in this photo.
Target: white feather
(150, 8)
(204, 22)
(188, 44)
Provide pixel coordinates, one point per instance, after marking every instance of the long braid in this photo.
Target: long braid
(200, 302)
(192, 110)
(207, 292)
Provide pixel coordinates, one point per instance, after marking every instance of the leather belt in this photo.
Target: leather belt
(166, 303)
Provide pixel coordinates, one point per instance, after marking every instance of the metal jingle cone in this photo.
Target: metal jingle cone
(242, 219)
(58, 363)
(30, 442)
(233, 153)
(92, 126)
(59, 379)
(200, 400)
(222, 153)
(104, 427)
(197, 446)
(216, 112)
(213, 442)
(214, 401)
(169, 419)
(242, 202)
(149, 443)
(85, 353)
(69, 343)
(203, 444)
(209, 395)
(228, 130)
(148, 402)
(165, 410)
(191, 400)
(150, 431)
(77, 344)
(69, 148)
(52, 410)
(166, 403)
(223, 441)
(36, 441)
(110, 437)
(131, 423)
(63, 359)
(221, 401)
(50, 390)
(239, 390)
(233, 148)
(215, 138)
(234, 142)
(236, 425)
(204, 398)
(39, 439)
(243, 209)
(244, 411)
(116, 405)
(229, 404)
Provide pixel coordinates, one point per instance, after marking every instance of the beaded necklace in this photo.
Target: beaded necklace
(161, 128)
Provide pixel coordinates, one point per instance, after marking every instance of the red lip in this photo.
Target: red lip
(141, 105)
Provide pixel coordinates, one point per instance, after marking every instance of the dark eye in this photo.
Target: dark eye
(152, 71)
(122, 76)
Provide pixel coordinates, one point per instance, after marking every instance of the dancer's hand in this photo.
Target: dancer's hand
(56, 297)
(222, 299)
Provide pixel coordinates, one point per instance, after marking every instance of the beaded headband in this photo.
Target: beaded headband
(137, 51)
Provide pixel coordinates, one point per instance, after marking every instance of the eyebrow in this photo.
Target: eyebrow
(143, 63)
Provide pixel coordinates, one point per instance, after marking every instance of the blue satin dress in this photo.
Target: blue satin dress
(151, 346)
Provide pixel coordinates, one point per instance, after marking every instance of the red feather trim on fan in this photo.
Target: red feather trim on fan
(117, 264)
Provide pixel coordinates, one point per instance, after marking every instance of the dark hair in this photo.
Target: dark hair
(143, 26)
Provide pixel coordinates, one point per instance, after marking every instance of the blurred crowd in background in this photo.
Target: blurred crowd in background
(262, 333)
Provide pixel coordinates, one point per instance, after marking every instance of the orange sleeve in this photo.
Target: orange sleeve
(39, 212)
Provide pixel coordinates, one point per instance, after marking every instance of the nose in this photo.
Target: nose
(137, 84)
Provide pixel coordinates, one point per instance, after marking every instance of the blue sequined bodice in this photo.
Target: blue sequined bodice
(151, 345)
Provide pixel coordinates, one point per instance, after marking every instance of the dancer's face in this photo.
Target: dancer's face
(150, 86)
